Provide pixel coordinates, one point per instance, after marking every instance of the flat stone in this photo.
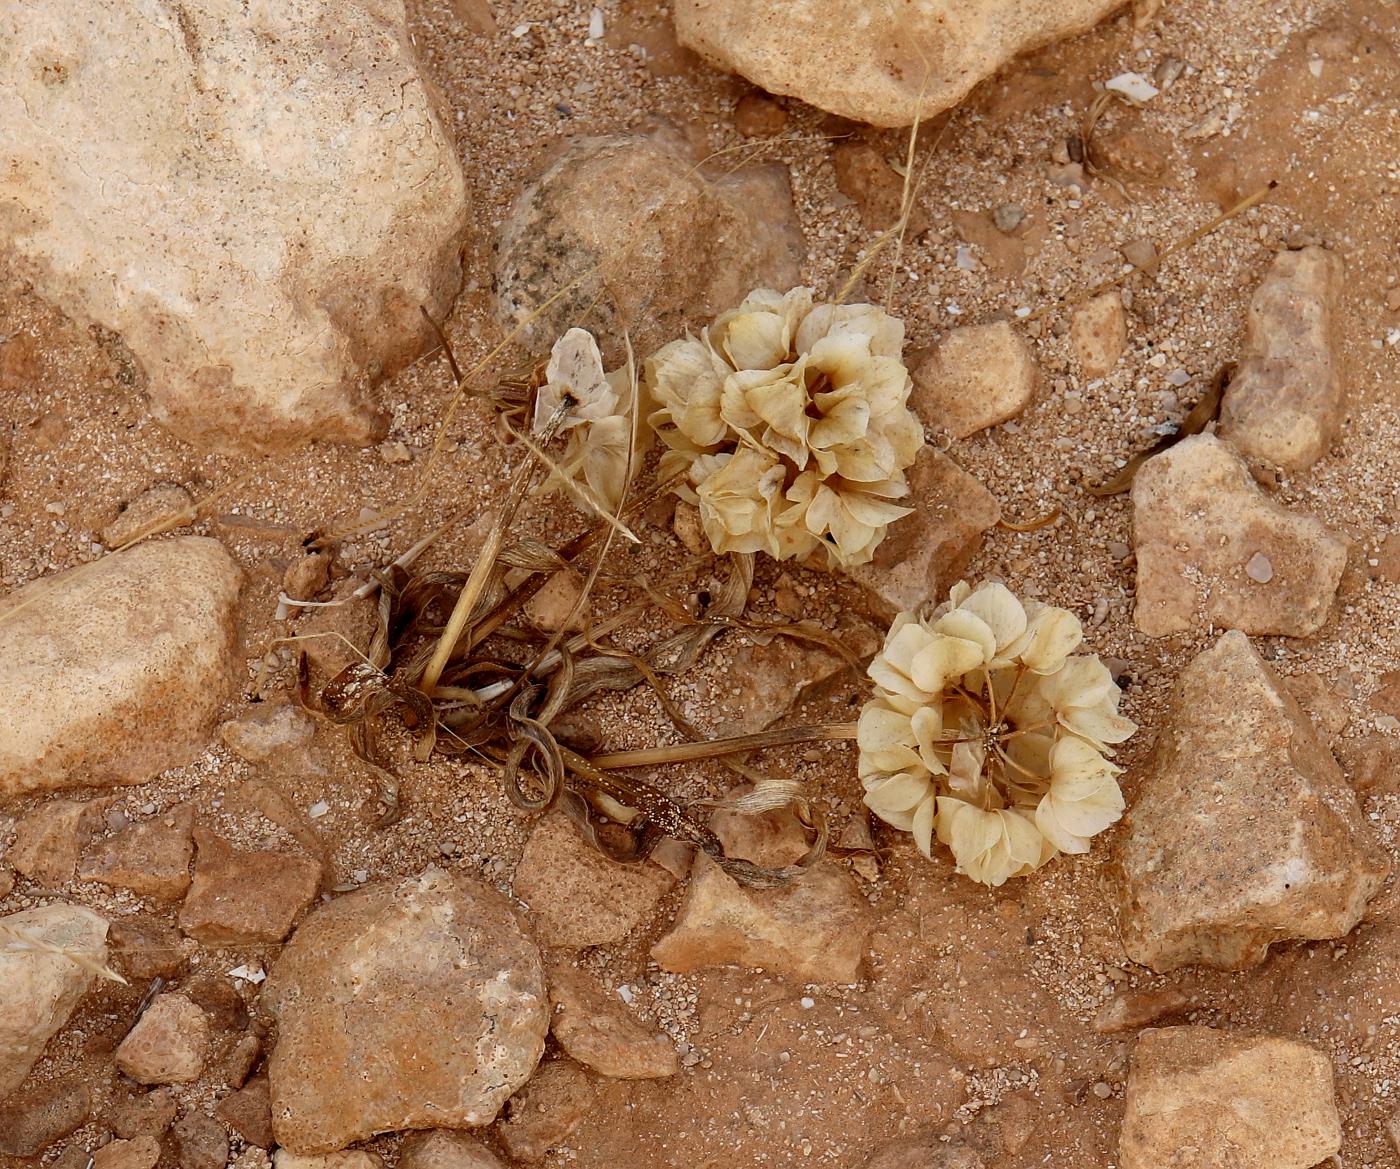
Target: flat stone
(1198, 519)
(249, 1112)
(441, 1149)
(200, 1142)
(141, 1114)
(34, 1118)
(671, 247)
(242, 897)
(151, 858)
(50, 839)
(416, 1004)
(350, 1159)
(42, 987)
(599, 1033)
(1287, 398)
(756, 115)
(543, 1114)
(138, 1153)
(976, 377)
(552, 608)
(887, 67)
(169, 1043)
(143, 513)
(143, 948)
(924, 554)
(1204, 1099)
(1098, 331)
(257, 199)
(576, 896)
(114, 671)
(1243, 831)
(268, 730)
(1130, 1010)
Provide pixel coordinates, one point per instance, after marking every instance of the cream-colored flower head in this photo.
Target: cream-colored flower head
(990, 733)
(595, 411)
(814, 395)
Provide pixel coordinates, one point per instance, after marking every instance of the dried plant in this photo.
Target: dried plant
(990, 733)
(790, 422)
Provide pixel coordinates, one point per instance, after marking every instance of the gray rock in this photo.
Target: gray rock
(418, 1004)
(1288, 396)
(114, 671)
(39, 984)
(672, 247)
(258, 198)
(1243, 830)
(1198, 520)
(1204, 1099)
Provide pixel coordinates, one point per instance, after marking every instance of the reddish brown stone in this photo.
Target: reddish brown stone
(151, 858)
(240, 898)
(249, 1112)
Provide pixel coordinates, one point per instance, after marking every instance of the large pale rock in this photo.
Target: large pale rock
(258, 198)
(114, 671)
(1243, 830)
(976, 377)
(924, 553)
(411, 1005)
(1204, 1099)
(1213, 549)
(1288, 395)
(665, 248)
(877, 63)
(39, 987)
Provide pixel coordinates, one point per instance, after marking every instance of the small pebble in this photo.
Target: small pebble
(808, 1003)
(1134, 86)
(318, 809)
(1008, 217)
(1102, 1090)
(1260, 568)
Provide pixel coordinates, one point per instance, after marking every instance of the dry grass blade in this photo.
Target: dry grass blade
(716, 748)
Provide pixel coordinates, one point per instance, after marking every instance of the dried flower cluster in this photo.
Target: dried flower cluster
(988, 731)
(595, 410)
(791, 423)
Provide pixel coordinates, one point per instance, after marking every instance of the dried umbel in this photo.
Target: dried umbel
(989, 732)
(595, 411)
(790, 420)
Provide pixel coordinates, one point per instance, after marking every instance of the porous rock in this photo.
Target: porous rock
(976, 377)
(598, 1032)
(1129, 1010)
(39, 987)
(414, 1004)
(886, 66)
(578, 897)
(140, 1114)
(1288, 394)
(1198, 1098)
(151, 858)
(137, 1153)
(668, 248)
(1199, 520)
(112, 672)
(50, 839)
(200, 1142)
(239, 897)
(543, 1114)
(1243, 830)
(34, 1118)
(350, 1159)
(924, 553)
(441, 1149)
(169, 1043)
(249, 1112)
(268, 730)
(258, 199)
(1098, 331)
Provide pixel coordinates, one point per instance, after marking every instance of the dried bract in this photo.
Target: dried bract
(790, 420)
(989, 732)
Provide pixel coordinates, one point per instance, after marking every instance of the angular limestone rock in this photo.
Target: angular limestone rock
(114, 671)
(1213, 549)
(1204, 1099)
(672, 247)
(40, 987)
(1288, 396)
(976, 377)
(1243, 831)
(257, 198)
(881, 64)
(419, 1004)
(1098, 331)
(596, 1029)
(923, 554)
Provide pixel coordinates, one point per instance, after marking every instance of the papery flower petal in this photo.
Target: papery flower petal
(967, 625)
(897, 793)
(944, 659)
(922, 827)
(999, 609)
(926, 723)
(1051, 635)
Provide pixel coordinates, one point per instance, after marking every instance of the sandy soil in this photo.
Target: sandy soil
(978, 1003)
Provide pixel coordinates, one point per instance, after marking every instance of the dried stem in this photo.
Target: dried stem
(714, 748)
